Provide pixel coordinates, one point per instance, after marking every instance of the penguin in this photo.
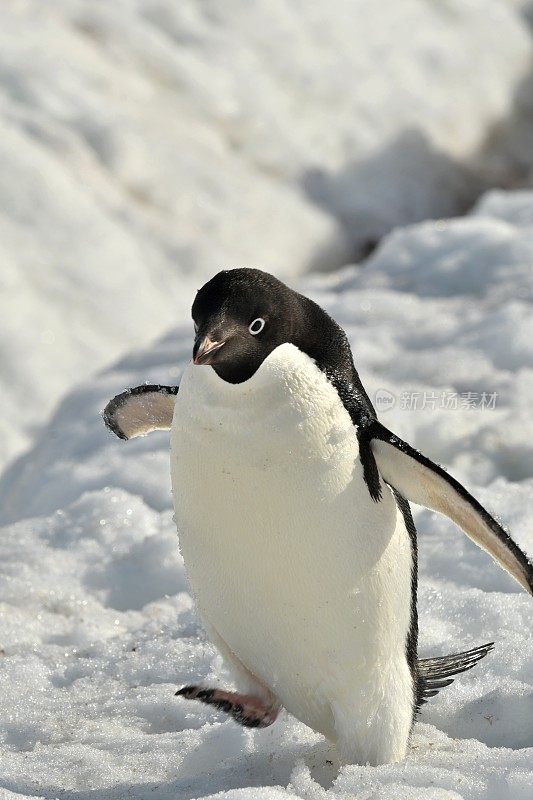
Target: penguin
(292, 508)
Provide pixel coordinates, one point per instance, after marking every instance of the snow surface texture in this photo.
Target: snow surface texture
(97, 626)
(143, 141)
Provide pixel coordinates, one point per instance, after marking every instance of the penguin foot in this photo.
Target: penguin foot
(245, 709)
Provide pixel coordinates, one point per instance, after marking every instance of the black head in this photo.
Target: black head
(240, 317)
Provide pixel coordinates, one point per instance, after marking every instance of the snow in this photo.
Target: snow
(97, 626)
(441, 309)
(98, 631)
(144, 141)
(144, 145)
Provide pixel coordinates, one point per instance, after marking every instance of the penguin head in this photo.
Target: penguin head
(240, 316)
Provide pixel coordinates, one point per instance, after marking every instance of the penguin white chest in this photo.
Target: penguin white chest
(300, 572)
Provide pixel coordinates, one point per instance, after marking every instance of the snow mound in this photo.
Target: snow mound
(440, 322)
(97, 626)
(97, 630)
(146, 143)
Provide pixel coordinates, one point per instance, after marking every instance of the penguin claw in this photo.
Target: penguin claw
(194, 692)
(245, 709)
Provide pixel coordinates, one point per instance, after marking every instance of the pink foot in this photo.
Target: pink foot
(245, 709)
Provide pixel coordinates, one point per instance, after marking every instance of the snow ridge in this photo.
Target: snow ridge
(97, 627)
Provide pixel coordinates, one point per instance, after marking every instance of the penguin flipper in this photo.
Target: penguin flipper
(421, 481)
(435, 673)
(136, 412)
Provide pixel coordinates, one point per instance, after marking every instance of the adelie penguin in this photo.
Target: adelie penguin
(292, 507)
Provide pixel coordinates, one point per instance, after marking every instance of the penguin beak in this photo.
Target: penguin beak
(204, 349)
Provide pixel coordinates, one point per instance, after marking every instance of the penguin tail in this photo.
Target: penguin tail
(435, 673)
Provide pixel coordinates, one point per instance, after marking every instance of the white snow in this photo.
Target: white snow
(145, 141)
(145, 144)
(97, 626)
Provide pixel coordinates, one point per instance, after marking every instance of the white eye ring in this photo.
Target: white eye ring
(256, 326)
(196, 327)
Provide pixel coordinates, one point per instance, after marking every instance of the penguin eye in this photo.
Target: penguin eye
(256, 326)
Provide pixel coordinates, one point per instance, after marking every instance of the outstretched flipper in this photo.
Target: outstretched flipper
(418, 479)
(435, 673)
(142, 410)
